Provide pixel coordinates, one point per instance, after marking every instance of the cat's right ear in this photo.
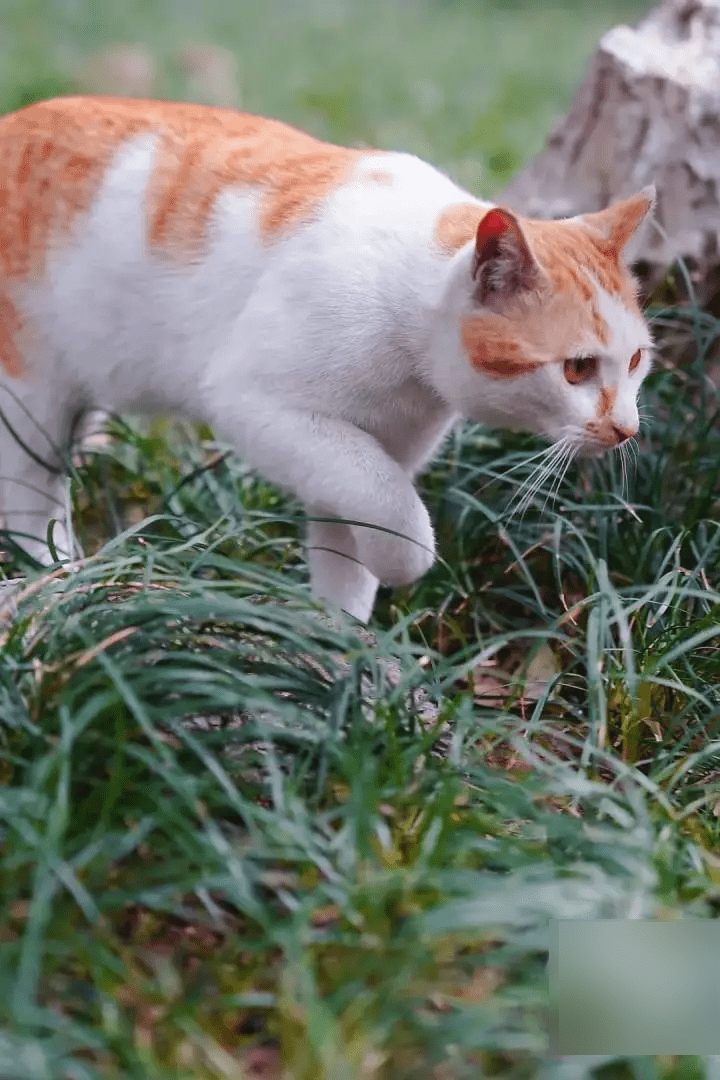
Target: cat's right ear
(503, 264)
(620, 221)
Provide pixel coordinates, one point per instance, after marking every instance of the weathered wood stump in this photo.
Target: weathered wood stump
(647, 112)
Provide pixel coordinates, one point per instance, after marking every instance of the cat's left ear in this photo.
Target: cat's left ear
(620, 221)
(503, 264)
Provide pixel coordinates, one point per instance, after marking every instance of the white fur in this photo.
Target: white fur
(329, 356)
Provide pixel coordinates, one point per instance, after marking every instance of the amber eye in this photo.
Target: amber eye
(580, 369)
(636, 358)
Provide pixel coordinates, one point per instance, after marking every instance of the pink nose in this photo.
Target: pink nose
(623, 434)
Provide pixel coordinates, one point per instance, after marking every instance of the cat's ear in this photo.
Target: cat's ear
(503, 264)
(620, 221)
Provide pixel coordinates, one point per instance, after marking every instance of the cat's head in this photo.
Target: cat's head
(542, 328)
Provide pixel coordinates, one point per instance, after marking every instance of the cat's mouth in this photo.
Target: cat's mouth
(582, 447)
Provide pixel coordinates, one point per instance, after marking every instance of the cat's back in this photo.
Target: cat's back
(180, 161)
(55, 157)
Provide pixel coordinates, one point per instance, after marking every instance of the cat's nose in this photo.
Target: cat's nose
(622, 434)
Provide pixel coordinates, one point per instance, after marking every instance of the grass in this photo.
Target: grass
(241, 839)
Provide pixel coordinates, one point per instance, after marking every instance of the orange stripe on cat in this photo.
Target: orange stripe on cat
(607, 400)
(52, 161)
(11, 359)
(457, 226)
(305, 182)
(492, 350)
(205, 151)
(54, 155)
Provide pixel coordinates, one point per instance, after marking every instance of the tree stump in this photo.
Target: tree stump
(647, 112)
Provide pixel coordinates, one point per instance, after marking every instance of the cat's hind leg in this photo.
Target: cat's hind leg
(336, 573)
(35, 429)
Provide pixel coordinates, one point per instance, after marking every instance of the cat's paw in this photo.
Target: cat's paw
(336, 573)
(403, 555)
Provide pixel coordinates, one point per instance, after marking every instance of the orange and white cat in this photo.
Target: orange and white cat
(330, 312)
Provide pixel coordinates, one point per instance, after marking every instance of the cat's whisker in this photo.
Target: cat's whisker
(557, 465)
(634, 451)
(523, 464)
(527, 491)
(564, 466)
(634, 459)
(555, 482)
(573, 449)
(624, 490)
(535, 475)
(630, 452)
(546, 450)
(551, 493)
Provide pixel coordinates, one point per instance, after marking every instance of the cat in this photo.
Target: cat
(329, 312)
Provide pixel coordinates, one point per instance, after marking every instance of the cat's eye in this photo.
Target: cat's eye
(635, 359)
(579, 369)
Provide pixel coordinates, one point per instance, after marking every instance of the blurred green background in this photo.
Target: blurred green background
(472, 86)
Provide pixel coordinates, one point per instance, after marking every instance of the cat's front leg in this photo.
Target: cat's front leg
(342, 472)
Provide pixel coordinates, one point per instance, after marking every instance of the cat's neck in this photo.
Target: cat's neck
(415, 302)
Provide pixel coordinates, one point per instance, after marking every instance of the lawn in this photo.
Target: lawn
(240, 839)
